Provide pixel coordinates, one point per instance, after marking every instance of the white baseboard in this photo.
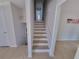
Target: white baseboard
(77, 54)
(67, 40)
(51, 55)
(40, 44)
(13, 46)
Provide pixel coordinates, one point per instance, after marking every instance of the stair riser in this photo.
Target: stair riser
(40, 23)
(41, 50)
(40, 35)
(40, 39)
(40, 42)
(39, 26)
(39, 29)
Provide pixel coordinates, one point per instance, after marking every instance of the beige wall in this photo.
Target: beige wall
(69, 31)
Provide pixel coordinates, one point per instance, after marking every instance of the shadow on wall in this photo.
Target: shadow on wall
(46, 3)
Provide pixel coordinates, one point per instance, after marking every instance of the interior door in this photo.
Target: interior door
(3, 28)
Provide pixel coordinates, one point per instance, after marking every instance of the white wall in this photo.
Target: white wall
(19, 28)
(50, 15)
(23, 16)
(19, 3)
(9, 23)
(7, 16)
(67, 31)
(29, 24)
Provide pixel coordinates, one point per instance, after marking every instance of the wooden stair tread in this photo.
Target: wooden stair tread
(40, 37)
(40, 41)
(39, 26)
(39, 32)
(39, 29)
(40, 47)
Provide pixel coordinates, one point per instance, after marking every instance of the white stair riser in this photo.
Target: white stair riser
(40, 34)
(39, 28)
(41, 50)
(42, 39)
(39, 24)
(39, 31)
(40, 44)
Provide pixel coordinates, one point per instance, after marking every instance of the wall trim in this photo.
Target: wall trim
(66, 40)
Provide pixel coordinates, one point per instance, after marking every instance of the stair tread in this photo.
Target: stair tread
(40, 34)
(41, 50)
(40, 44)
(39, 26)
(40, 41)
(39, 29)
(39, 22)
(40, 47)
(40, 37)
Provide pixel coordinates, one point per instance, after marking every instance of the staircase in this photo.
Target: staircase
(40, 42)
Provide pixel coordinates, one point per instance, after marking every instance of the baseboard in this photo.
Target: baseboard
(51, 55)
(67, 40)
(13, 46)
(40, 44)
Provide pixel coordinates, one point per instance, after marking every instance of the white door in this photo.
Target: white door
(3, 28)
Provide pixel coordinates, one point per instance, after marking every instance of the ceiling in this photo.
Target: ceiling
(19, 3)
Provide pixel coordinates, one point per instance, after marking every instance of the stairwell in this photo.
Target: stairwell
(40, 42)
